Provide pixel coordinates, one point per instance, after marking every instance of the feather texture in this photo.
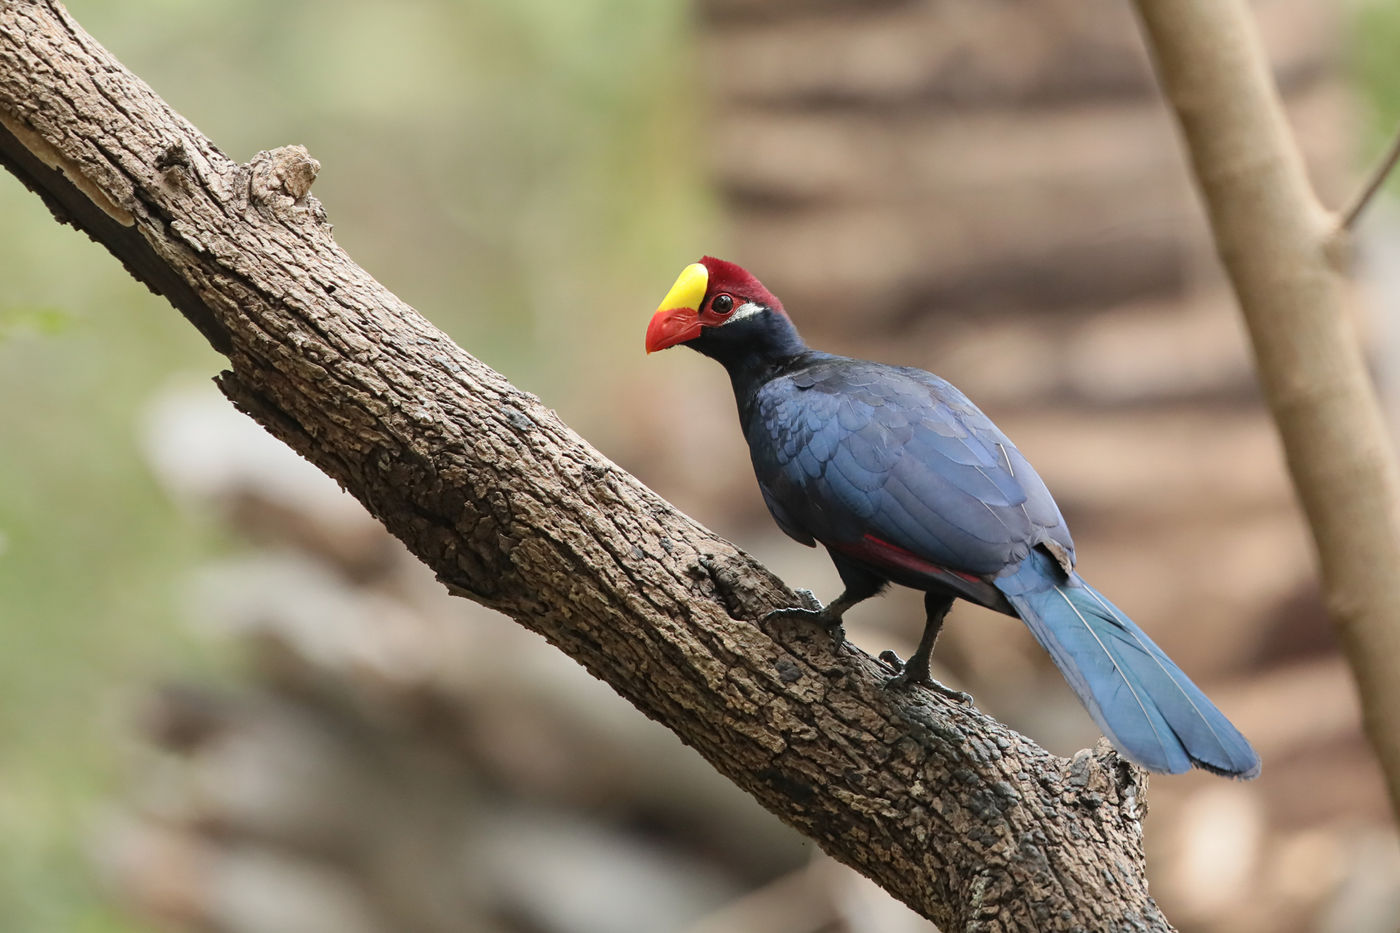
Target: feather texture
(1140, 699)
(846, 448)
(896, 470)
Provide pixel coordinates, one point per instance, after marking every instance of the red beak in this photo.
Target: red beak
(671, 326)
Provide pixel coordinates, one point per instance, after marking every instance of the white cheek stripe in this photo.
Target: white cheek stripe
(747, 309)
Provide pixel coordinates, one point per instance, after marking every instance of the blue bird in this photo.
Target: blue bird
(903, 480)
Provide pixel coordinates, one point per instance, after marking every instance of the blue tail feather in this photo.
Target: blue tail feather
(1141, 700)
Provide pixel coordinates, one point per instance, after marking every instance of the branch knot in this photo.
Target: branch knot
(280, 179)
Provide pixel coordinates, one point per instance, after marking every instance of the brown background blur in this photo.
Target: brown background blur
(258, 714)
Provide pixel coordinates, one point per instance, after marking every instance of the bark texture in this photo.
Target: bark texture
(1278, 246)
(966, 821)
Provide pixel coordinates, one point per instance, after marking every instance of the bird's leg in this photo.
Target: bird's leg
(916, 669)
(828, 616)
(860, 583)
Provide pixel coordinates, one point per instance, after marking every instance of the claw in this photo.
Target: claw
(828, 617)
(796, 613)
(907, 677)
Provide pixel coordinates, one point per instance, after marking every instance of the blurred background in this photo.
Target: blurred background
(228, 702)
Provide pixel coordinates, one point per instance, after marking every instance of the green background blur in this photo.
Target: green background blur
(501, 164)
(524, 172)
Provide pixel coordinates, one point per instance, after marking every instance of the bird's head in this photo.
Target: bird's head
(715, 304)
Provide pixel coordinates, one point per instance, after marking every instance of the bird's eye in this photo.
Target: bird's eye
(722, 304)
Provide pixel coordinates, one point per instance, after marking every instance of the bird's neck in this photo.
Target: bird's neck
(758, 353)
(763, 353)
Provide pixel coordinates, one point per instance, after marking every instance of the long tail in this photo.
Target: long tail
(1142, 701)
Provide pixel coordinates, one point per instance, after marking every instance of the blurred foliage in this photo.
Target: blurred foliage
(506, 166)
(1376, 70)
(35, 321)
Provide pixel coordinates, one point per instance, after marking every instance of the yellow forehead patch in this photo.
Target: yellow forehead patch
(689, 289)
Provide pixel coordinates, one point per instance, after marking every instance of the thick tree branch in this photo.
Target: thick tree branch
(963, 819)
(1273, 237)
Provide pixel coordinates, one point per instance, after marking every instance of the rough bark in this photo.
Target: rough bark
(1278, 247)
(966, 821)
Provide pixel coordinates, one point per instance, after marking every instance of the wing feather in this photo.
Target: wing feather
(846, 450)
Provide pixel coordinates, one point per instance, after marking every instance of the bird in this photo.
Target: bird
(903, 480)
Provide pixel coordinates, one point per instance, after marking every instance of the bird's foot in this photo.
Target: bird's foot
(811, 611)
(909, 674)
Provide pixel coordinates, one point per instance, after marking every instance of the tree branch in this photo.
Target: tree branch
(961, 818)
(1273, 237)
(1349, 217)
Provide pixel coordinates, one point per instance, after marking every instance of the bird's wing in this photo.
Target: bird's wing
(860, 455)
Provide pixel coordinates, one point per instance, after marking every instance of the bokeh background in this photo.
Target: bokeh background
(229, 703)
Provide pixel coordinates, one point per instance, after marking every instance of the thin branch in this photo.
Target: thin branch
(966, 821)
(1368, 192)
